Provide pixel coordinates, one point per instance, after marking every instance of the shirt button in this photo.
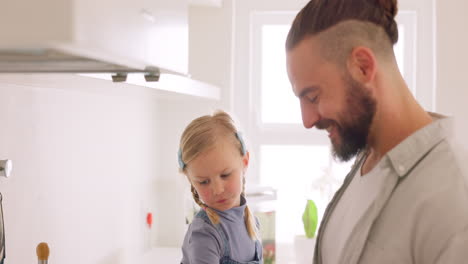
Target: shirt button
(401, 168)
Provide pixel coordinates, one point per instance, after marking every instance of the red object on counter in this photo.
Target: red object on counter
(149, 219)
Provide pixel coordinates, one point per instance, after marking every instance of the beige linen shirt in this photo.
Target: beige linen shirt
(420, 214)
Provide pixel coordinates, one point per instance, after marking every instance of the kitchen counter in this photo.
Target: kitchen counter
(163, 255)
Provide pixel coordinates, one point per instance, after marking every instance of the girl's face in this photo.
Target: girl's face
(217, 175)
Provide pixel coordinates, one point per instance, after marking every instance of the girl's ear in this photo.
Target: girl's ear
(245, 160)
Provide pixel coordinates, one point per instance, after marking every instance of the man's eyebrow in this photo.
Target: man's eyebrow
(308, 90)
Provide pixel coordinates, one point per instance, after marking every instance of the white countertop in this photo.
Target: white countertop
(163, 255)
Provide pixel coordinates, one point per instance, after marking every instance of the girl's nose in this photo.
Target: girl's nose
(218, 187)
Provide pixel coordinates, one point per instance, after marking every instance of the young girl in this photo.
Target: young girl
(213, 156)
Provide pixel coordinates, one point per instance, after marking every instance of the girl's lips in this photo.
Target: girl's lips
(221, 201)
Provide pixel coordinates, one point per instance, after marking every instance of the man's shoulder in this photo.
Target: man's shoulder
(441, 174)
(448, 156)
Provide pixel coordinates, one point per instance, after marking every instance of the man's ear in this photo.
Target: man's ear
(362, 64)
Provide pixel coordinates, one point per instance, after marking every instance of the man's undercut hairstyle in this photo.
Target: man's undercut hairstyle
(341, 25)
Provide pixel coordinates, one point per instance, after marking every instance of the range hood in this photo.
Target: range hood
(54, 61)
(103, 39)
(48, 60)
(88, 36)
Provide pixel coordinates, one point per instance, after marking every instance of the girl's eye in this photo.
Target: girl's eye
(313, 99)
(225, 175)
(203, 182)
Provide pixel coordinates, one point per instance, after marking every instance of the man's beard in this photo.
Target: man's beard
(355, 121)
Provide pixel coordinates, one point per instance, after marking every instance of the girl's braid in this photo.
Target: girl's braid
(214, 217)
(249, 218)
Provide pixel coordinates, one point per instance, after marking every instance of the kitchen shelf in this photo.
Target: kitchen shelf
(168, 83)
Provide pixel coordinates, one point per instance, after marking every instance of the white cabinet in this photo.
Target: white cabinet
(133, 33)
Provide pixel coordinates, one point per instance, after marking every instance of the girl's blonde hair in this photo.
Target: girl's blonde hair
(202, 134)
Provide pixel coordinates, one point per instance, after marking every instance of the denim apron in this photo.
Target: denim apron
(226, 259)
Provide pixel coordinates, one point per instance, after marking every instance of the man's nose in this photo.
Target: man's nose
(310, 116)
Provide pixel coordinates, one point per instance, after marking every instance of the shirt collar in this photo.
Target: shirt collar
(405, 155)
(234, 213)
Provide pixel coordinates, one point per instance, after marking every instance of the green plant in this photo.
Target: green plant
(310, 219)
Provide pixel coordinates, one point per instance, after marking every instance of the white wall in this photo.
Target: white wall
(210, 46)
(452, 62)
(90, 158)
(173, 191)
(83, 165)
